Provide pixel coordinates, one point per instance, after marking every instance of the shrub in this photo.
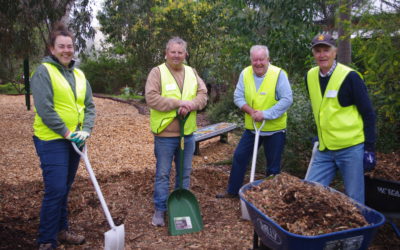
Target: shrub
(12, 88)
(225, 110)
(300, 130)
(107, 75)
(376, 50)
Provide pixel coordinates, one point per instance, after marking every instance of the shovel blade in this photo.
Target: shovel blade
(183, 213)
(115, 238)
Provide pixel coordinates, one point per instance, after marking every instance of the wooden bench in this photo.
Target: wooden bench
(219, 129)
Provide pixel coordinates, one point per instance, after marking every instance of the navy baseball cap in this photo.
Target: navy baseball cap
(326, 39)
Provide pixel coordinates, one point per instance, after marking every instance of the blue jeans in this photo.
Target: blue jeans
(348, 161)
(273, 148)
(59, 163)
(166, 150)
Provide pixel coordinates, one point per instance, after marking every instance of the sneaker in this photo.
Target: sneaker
(46, 246)
(158, 218)
(226, 195)
(68, 237)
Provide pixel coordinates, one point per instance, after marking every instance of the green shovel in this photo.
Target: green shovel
(183, 209)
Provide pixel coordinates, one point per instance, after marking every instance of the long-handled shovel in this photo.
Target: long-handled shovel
(114, 238)
(183, 209)
(245, 213)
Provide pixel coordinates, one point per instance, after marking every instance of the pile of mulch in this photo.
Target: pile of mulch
(303, 208)
(387, 168)
(121, 154)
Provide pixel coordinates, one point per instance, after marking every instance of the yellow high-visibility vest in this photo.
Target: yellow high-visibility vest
(338, 127)
(159, 120)
(262, 99)
(70, 109)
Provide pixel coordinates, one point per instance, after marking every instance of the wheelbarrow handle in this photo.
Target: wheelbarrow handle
(84, 155)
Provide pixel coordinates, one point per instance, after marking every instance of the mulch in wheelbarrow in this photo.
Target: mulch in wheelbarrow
(302, 208)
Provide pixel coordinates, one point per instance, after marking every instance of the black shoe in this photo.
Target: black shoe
(226, 195)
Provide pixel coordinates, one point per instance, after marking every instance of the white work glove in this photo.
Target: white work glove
(79, 137)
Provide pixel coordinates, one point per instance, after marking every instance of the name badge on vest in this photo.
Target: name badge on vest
(169, 87)
(331, 94)
(263, 93)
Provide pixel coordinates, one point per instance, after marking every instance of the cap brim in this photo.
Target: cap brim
(323, 43)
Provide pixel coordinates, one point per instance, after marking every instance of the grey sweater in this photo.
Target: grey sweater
(42, 92)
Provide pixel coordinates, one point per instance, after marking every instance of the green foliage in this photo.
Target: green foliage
(300, 129)
(376, 51)
(108, 75)
(225, 111)
(11, 88)
(219, 33)
(25, 26)
(287, 38)
(128, 93)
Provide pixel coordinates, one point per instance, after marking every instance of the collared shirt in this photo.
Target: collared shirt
(329, 73)
(283, 94)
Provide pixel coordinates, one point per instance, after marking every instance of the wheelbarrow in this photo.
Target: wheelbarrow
(384, 196)
(274, 236)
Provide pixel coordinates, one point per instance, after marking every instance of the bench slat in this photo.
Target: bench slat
(213, 130)
(219, 129)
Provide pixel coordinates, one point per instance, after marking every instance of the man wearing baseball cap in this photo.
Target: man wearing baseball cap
(344, 118)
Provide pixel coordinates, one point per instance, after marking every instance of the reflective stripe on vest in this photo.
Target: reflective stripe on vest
(338, 127)
(262, 99)
(70, 110)
(159, 120)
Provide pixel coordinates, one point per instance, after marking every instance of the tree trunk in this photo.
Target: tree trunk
(344, 32)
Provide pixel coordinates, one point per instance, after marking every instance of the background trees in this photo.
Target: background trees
(25, 26)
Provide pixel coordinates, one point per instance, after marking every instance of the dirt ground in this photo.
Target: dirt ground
(121, 153)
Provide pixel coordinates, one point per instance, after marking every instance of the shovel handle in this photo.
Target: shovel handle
(255, 149)
(182, 120)
(84, 155)
(314, 151)
(258, 129)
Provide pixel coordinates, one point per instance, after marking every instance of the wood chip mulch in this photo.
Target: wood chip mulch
(121, 154)
(303, 208)
(388, 167)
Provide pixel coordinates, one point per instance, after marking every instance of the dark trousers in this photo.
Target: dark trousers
(273, 148)
(59, 163)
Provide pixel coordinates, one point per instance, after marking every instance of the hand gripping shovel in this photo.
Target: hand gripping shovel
(114, 238)
(245, 213)
(183, 209)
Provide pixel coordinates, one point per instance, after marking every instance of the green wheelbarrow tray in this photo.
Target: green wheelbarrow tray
(183, 209)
